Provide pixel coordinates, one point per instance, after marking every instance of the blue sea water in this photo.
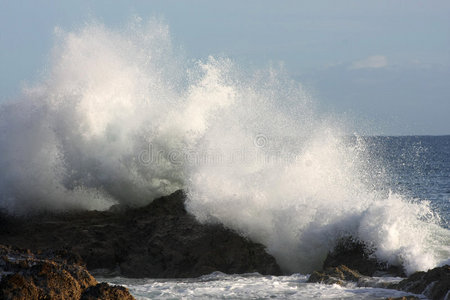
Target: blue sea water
(418, 167)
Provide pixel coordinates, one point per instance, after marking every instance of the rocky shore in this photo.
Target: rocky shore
(50, 275)
(351, 263)
(162, 240)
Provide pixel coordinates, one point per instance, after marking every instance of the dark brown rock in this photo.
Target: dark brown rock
(160, 240)
(357, 256)
(434, 283)
(336, 275)
(103, 291)
(16, 286)
(46, 275)
(342, 275)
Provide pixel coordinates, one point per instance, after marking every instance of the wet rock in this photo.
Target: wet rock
(103, 291)
(343, 275)
(434, 283)
(160, 240)
(357, 256)
(44, 275)
(335, 275)
(16, 286)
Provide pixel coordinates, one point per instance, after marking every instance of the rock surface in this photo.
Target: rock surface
(103, 291)
(160, 240)
(335, 275)
(357, 256)
(434, 283)
(351, 257)
(48, 275)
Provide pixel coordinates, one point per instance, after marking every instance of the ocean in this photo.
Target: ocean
(419, 167)
(120, 117)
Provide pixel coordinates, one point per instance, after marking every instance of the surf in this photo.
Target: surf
(121, 117)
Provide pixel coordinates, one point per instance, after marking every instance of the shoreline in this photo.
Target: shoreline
(162, 240)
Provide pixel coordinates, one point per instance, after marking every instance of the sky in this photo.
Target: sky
(384, 64)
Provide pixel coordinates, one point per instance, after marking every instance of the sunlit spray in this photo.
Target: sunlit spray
(120, 117)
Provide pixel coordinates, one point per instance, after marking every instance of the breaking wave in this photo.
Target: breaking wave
(121, 117)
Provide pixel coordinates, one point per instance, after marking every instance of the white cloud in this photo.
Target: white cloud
(372, 62)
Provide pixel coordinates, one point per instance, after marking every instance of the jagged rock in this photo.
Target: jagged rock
(160, 240)
(337, 275)
(103, 291)
(44, 275)
(434, 283)
(16, 286)
(357, 256)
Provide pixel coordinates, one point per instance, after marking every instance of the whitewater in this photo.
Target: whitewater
(121, 116)
(251, 286)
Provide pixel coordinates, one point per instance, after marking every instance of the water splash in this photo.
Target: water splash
(121, 118)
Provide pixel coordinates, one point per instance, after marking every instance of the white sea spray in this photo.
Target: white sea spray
(120, 117)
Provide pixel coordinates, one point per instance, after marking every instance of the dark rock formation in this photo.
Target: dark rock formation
(434, 283)
(336, 275)
(357, 256)
(352, 258)
(47, 275)
(103, 291)
(160, 240)
(354, 255)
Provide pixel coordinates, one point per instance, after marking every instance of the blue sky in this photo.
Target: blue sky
(385, 63)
